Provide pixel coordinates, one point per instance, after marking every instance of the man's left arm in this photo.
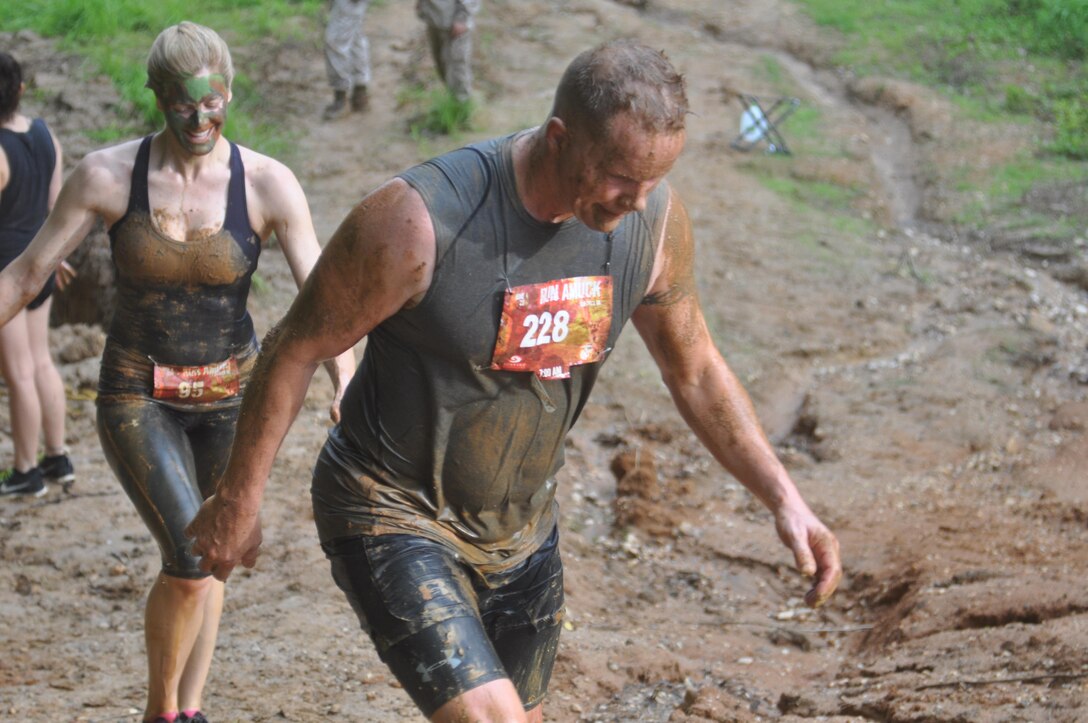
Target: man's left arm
(717, 408)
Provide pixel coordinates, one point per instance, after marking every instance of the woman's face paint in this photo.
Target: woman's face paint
(196, 110)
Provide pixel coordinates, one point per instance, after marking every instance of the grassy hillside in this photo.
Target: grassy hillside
(1000, 61)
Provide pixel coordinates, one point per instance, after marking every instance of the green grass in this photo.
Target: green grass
(826, 208)
(435, 112)
(820, 194)
(977, 50)
(912, 34)
(1012, 62)
(115, 36)
(771, 72)
(1005, 185)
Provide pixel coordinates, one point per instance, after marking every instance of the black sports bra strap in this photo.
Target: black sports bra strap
(137, 195)
(237, 220)
(237, 208)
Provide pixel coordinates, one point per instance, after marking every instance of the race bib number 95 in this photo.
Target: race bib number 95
(196, 384)
(548, 328)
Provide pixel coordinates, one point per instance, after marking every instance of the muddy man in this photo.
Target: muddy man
(187, 212)
(491, 284)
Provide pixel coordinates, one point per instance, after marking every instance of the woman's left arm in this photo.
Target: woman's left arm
(284, 211)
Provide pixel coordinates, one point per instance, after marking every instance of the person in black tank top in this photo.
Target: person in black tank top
(30, 172)
(491, 283)
(181, 346)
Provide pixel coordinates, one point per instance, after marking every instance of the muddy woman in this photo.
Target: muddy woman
(492, 283)
(187, 213)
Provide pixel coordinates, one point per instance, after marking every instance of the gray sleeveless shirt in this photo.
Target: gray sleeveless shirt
(432, 440)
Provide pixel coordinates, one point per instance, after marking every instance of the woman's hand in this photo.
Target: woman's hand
(66, 274)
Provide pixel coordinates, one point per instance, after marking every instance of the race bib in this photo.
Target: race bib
(548, 328)
(196, 384)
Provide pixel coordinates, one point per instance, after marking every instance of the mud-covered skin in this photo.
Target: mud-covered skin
(442, 628)
(195, 110)
(716, 406)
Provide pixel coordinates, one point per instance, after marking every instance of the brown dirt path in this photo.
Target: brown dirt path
(926, 387)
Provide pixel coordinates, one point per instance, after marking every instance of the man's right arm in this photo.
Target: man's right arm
(379, 261)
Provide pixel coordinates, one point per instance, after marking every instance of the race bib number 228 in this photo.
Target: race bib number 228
(547, 328)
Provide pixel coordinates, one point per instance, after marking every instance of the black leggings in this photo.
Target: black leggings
(168, 462)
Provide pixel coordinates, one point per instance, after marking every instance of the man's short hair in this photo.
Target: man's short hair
(11, 77)
(621, 76)
(183, 50)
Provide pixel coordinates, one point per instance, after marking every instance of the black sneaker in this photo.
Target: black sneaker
(197, 717)
(58, 468)
(24, 483)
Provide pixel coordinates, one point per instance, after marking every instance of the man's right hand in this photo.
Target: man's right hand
(223, 535)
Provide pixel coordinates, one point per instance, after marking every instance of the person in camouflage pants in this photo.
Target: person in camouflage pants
(347, 57)
(450, 25)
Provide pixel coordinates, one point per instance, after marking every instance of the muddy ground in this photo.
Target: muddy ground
(925, 383)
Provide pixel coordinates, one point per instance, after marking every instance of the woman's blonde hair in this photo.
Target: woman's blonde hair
(183, 50)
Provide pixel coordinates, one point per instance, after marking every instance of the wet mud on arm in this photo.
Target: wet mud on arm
(707, 393)
(717, 408)
(378, 261)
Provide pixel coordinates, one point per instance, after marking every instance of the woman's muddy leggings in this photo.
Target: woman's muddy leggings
(168, 462)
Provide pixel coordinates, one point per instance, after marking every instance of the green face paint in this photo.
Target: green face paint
(196, 110)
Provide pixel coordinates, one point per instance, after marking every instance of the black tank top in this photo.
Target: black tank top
(24, 202)
(183, 302)
(469, 450)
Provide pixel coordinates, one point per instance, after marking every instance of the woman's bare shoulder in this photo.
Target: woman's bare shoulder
(101, 179)
(115, 158)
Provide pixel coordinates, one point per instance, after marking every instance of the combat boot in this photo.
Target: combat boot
(339, 106)
(360, 100)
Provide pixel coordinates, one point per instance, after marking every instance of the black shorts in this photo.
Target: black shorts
(44, 294)
(442, 628)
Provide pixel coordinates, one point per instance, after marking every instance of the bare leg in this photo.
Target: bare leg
(17, 366)
(191, 686)
(173, 621)
(494, 702)
(47, 379)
